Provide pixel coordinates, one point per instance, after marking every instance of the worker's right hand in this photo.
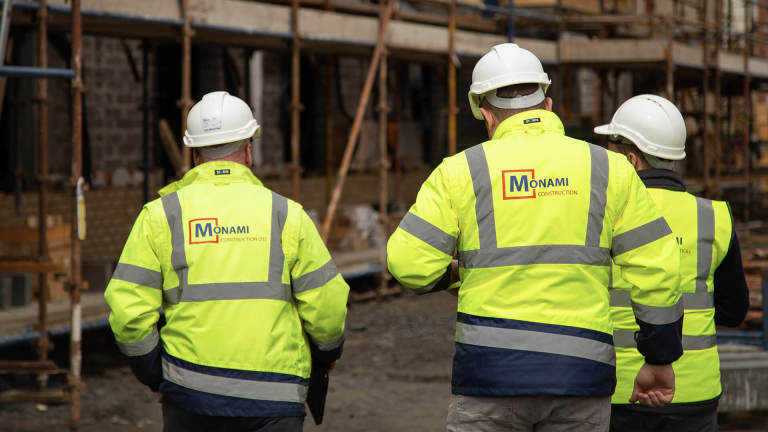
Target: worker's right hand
(332, 366)
(654, 385)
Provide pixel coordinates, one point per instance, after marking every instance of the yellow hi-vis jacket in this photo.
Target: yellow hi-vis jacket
(703, 231)
(535, 217)
(247, 287)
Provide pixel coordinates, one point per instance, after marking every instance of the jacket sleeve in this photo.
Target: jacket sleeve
(134, 295)
(731, 291)
(644, 247)
(420, 250)
(320, 293)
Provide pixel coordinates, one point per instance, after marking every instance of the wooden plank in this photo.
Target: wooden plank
(613, 51)
(155, 9)
(584, 6)
(245, 15)
(29, 367)
(21, 320)
(258, 24)
(29, 235)
(42, 396)
(171, 147)
(32, 267)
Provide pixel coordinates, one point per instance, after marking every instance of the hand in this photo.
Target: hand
(332, 366)
(654, 385)
(454, 277)
(454, 271)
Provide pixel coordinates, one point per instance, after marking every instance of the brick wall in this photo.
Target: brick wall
(113, 103)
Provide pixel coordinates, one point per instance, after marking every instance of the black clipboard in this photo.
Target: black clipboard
(318, 389)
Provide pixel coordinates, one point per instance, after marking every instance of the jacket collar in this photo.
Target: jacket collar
(529, 122)
(220, 172)
(662, 179)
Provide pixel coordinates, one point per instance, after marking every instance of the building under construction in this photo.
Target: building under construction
(358, 101)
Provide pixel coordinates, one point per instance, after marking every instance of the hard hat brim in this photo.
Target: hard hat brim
(605, 129)
(204, 140)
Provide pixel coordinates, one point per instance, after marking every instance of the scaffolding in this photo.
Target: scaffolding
(43, 367)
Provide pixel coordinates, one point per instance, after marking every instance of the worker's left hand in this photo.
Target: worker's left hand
(454, 278)
(332, 366)
(654, 385)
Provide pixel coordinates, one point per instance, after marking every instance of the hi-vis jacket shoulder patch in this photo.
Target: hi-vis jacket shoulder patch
(523, 184)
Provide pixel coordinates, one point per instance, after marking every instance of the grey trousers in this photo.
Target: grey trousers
(529, 414)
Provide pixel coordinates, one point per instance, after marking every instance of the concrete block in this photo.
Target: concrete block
(744, 379)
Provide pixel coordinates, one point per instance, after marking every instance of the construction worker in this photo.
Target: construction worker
(535, 217)
(650, 132)
(248, 288)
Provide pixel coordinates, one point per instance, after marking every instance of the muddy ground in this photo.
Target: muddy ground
(394, 376)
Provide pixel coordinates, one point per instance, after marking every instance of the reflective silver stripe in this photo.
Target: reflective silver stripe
(691, 300)
(597, 194)
(329, 345)
(142, 347)
(610, 275)
(705, 218)
(230, 291)
(640, 236)
(541, 254)
(658, 315)
(535, 341)
(138, 275)
(699, 342)
(698, 300)
(172, 209)
(276, 256)
(315, 278)
(234, 387)
(481, 182)
(428, 233)
(620, 298)
(626, 339)
(274, 288)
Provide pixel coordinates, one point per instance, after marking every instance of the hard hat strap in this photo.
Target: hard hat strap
(518, 102)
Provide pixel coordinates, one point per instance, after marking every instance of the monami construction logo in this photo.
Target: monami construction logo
(208, 230)
(523, 184)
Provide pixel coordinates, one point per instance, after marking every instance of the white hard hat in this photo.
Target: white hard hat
(219, 118)
(652, 123)
(506, 64)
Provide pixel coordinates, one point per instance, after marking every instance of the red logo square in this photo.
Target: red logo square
(204, 230)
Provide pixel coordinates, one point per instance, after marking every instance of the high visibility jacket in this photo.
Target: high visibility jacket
(247, 287)
(703, 230)
(535, 217)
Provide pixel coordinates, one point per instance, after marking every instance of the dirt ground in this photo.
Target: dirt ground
(394, 376)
